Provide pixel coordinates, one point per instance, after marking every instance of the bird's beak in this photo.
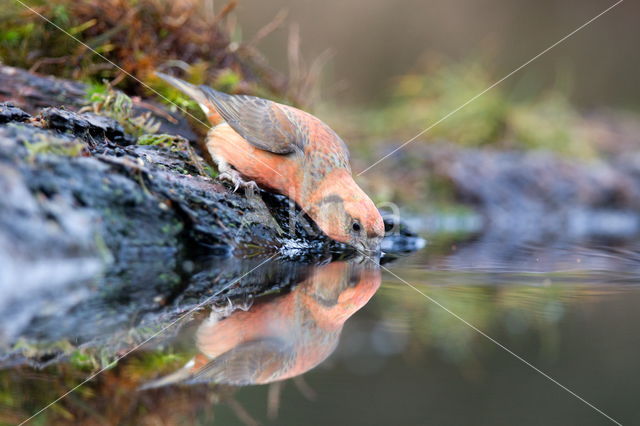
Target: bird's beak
(371, 246)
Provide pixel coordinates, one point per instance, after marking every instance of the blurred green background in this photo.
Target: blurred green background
(375, 41)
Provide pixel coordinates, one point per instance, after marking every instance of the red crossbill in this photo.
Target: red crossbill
(282, 337)
(286, 150)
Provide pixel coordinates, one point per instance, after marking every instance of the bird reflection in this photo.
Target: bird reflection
(280, 337)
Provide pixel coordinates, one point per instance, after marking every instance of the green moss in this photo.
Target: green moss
(228, 81)
(155, 363)
(60, 15)
(115, 104)
(82, 360)
(48, 145)
(179, 144)
(13, 36)
(96, 91)
(210, 171)
(174, 142)
(33, 349)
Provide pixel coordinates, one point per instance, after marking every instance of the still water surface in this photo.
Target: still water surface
(352, 344)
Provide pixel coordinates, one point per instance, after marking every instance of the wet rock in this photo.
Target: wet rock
(8, 113)
(527, 195)
(399, 238)
(86, 125)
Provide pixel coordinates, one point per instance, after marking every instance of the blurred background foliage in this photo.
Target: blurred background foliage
(142, 36)
(374, 41)
(422, 99)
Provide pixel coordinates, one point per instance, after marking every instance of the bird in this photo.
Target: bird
(256, 142)
(278, 337)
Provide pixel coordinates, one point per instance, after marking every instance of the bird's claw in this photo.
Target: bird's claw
(237, 181)
(221, 311)
(248, 185)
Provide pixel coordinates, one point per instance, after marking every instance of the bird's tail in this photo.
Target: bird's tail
(176, 377)
(197, 94)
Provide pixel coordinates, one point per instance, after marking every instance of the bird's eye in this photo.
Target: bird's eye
(356, 227)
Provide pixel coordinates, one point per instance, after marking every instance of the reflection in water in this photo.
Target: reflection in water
(282, 337)
(400, 360)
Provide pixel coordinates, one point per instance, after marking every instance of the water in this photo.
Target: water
(353, 344)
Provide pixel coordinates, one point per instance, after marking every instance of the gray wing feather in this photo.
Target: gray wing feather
(262, 123)
(245, 364)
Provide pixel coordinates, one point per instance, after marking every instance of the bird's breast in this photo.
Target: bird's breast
(280, 173)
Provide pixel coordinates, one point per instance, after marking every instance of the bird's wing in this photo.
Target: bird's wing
(267, 125)
(263, 123)
(258, 361)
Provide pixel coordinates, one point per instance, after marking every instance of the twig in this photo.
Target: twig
(45, 61)
(274, 395)
(275, 23)
(304, 388)
(242, 414)
(226, 10)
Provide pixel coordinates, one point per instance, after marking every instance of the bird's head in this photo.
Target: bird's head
(346, 214)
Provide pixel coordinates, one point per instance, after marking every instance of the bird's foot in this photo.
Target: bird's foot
(232, 176)
(221, 311)
(225, 309)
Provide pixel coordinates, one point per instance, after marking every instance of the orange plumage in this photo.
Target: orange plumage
(282, 337)
(291, 152)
